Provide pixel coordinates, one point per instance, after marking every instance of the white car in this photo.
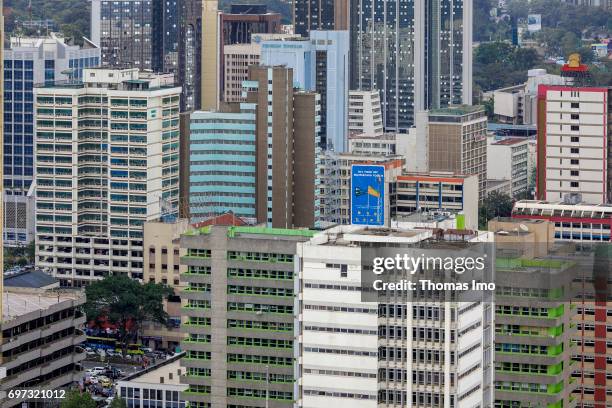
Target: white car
(97, 370)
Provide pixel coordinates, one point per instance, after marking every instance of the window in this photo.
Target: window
(575, 139)
(575, 116)
(573, 184)
(575, 128)
(574, 161)
(343, 270)
(574, 173)
(575, 105)
(574, 150)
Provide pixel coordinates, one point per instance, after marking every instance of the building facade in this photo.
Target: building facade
(222, 168)
(41, 341)
(508, 159)
(287, 148)
(239, 320)
(29, 62)
(237, 59)
(573, 155)
(319, 64)
(320, 15)
(391, 352)
(190, 54)
(365, 114)
(108, 154)
(437, 193)
(457, 142)
(419, 55)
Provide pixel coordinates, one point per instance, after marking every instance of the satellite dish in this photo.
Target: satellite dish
(523, 228)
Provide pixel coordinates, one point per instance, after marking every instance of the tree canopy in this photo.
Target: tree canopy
(495, 205)
(118, 402)
(77, 399)
(125, 304)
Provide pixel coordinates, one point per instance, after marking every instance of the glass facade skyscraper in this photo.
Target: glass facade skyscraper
(417, 54)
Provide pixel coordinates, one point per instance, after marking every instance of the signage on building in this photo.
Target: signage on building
(367, 195)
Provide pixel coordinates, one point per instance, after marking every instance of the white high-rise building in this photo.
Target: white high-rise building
(365, 116)
(412, 351)
(573, 153)
(107, 154)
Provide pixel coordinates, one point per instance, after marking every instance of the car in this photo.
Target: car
(105, 382)
(97, 370)
(147, 349)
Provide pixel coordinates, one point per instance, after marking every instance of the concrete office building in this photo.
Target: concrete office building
(437, 193)
(319, 64)
(237, 58)
(336, 183)
(30, 61)
(287, 148)
(573, 155)
(517, 104)
(365, 114)
(244, 20)
(320, 15)
(418, 55)
(457, 142)
(381, 145)
(41, 341)
(421, 351)
(162, 251)
(102, 176)
(239, 319)
(159, 385)
(508, 159)
(222, 162)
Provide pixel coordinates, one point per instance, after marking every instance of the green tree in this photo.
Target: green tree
(126, 304)
(118, 402)
(495, 205)
(77, 399)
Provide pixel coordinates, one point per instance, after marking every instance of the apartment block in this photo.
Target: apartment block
(384, 144)
(457, 142)
(239, 319)
(573, 155)
(222, 162)
(41, 341)
(405, 350)
(336, 183)
(437, 193)
(508, 159)
(29, 61)
(319, 64)
(364, 113)
(107, 153)
(287, 148)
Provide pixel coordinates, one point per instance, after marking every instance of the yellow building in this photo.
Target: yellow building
(210, 55)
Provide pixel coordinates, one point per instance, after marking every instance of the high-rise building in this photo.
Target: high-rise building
(573, 155)
(287, 148)
(336, 183)
(127, 32)
(320, 15)
(457, 142)
(107, 153)
(237, 58)
(364, 113)
(30, 61)
(508, 159)
(419, 55)
(319, 64)
(414, 349)
(210, 56)
(239, 318)
(2, 158)
(41, 342)
(190, 54)
(222, 166)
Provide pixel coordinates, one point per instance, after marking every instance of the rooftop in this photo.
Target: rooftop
(29, 279)
(509, 141)
(169, 370)
(20, 302)
(228, 219)
(457, 110)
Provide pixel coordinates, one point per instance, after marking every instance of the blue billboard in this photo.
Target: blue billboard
(367, 195)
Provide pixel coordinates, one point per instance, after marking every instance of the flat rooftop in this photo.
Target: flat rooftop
(17, 303)
(509, 141)
(164, 370)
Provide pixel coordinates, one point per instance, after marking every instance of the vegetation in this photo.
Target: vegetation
(494, 205)
(72, 17)
(77, 399)
(19, 256)
(124, 303)
(118, 402)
